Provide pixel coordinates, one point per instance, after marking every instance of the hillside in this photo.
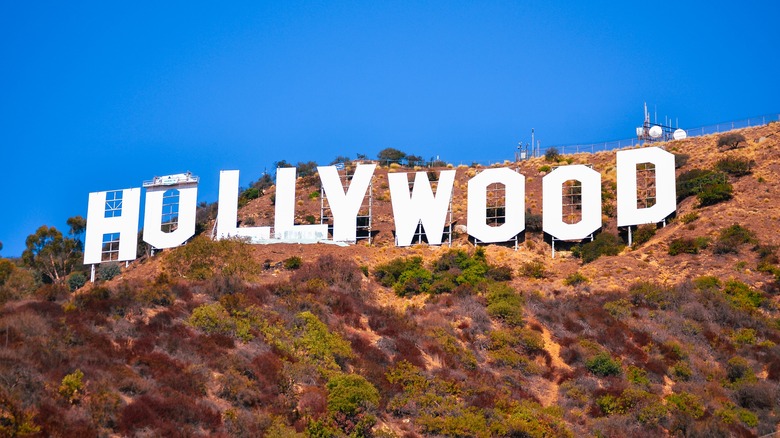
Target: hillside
(229, 339)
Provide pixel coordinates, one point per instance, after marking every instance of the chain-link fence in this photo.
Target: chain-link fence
(694, 132)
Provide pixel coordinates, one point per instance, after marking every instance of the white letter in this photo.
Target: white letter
(552, 202)
(109, 214)
(665, 189)
(514, 195)
(284, 223)
(345, 206)
(227, 214)
(420, 206)
(187, 207)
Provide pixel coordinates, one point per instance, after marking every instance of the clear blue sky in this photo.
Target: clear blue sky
(103, 95)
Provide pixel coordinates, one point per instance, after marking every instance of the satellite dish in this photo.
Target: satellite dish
(656, 131)
(679, 134)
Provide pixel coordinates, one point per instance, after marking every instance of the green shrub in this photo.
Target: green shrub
(530, 419)
(689, 217)
(462, 268)
(738, 370)
(709, 186)
(731, 414)
(76, 280)
(453, 348)
(686, 403)
(505, 304)
(72, 386)
(247, 195)
(212, 319)
(652, 413)
(499, 273)
(158, 293)
(467, 422)
(683, 245)
(744, 336)
(743, 296)
(351, 393)
(652, 295)
(293, 262)
(619, 309)
(604, 244)
(544, 168)
(681, 370)
(715, 193)
(575, 279)
(533, 269)
(107, 271)
(413, 281)
(603, 365)
(730, 140)
(643, 234)
(388, 273)
(731, 238)
(315, 344)
(637, 376)
(707, 282)
(689, 182)
(628, 400)
(735, 166)
(767, 258)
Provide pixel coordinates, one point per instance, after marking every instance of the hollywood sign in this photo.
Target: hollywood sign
(112, 218)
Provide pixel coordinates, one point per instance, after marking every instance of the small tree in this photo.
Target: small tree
(552, 155)
(390, 155)
(263, 183)
(72, 386)
(603, 365)
(306, 169)
(414, 160)
(108, 271)
(730, 140)
(341, 159)
(50, 253)
(76, 280)
(351, 393)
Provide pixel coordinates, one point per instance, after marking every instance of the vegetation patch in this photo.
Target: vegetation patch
(604, 244)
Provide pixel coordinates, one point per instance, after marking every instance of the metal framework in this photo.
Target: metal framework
(365, 214)
(170, 211)
(495, 211)
(419, 232)
(645, 185)
(110, 250)
(571, 201)
(645, 190)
